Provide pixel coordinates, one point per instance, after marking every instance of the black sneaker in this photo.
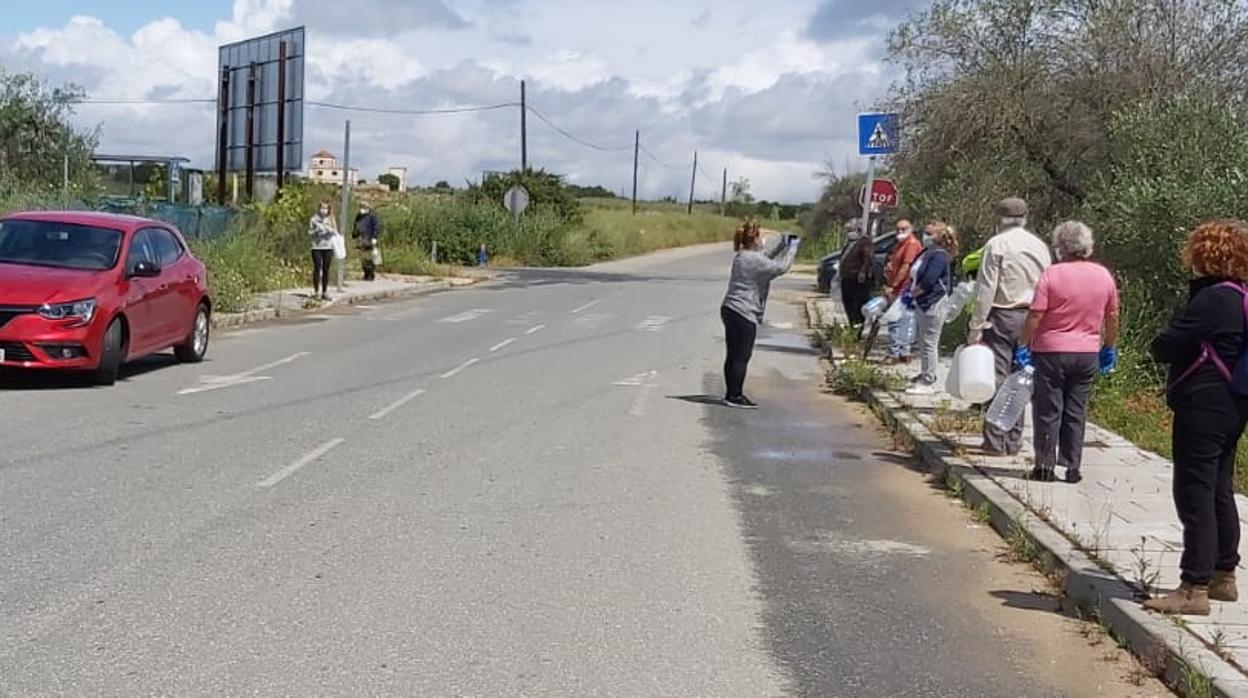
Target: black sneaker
(1041, 474)
(1073, 476)
(740, 402)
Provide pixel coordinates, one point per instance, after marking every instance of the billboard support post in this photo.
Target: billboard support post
(223, 137)
(249, 156)
(281, 116)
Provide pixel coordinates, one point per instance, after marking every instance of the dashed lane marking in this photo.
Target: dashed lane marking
(293, 468)
(380, 414)
(455, 371)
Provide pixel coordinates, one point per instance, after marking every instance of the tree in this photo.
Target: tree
(391, 181)
(36, 134)
(741, 191)
(546, 190)
(442, 185)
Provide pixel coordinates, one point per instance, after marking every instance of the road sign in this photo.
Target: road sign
(883, 193)
(878, 133)
(516, 200)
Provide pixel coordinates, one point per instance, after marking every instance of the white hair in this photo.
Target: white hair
(1073, 240)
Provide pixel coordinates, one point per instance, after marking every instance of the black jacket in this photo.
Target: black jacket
(1214, 315)
(858, 257)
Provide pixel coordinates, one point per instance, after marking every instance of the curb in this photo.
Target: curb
(228, 320)
(1084, 581)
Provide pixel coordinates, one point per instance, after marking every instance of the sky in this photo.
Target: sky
(768, 90)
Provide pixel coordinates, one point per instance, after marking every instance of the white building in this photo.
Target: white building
(401, 173)
(325, 169)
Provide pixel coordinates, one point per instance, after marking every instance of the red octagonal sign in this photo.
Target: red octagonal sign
(883, 193)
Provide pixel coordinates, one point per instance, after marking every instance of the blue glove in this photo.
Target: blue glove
(907, 299)
(1108, 359)
(1022, 357)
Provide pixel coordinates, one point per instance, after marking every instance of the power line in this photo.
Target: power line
(654, 157)
(414, 112)
(142, 100)
(606, 149)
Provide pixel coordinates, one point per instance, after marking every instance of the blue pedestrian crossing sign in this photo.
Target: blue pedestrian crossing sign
(878, 133)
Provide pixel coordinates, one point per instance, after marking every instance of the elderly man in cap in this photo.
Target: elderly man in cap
(856, 271)
(1010, 266)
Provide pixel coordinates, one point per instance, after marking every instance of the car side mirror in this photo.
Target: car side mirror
(145, 270)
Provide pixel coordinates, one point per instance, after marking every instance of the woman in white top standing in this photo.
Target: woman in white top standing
(322, 231)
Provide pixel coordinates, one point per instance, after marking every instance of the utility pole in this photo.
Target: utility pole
(344, 214)
(636, 152)
(693, 181)
(524, 130)
(723, 195)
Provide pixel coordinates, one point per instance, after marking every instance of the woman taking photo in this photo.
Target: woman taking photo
(931, 282)
(1202, 345)
(1069, 334)
(322, 231)
(742, 310)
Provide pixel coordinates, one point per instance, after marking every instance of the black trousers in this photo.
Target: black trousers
(321, 261)
(739, 335)
(1059, 407)
(854, 295)
(1204, 441)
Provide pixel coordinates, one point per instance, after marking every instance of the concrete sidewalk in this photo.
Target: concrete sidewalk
(1118, 534)
(287, 302)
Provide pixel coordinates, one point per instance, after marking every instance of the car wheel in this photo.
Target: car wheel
(112, 350)
(196, 345)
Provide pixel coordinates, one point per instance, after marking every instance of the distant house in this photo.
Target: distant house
(401, 173)
(325, 169)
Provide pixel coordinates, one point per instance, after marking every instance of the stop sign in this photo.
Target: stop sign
(883, 193)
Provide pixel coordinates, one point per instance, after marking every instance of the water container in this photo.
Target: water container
(977, 377)
(874, 308)
(951, 380)
(894, 312)
(908, 326)
(1011, 402)
(958, 299)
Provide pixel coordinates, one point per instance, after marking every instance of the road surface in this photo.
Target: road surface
(518, 489)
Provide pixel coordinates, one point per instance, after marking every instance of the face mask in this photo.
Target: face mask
(903, 234)
(324, 211)
(928, 241)
(363, 212)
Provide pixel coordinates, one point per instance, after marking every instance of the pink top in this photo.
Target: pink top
(1075, 297)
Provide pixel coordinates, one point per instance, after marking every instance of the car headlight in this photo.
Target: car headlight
(82, 310)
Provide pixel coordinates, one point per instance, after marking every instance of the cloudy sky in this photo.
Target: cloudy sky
(766, 89)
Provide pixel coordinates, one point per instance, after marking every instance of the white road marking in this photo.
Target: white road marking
(587, 306)
(294, 467)
(646, 382)
(379, 414)
(654, 323)
(534, 329)
(208, 383)
(455, 371)
(467, 315)
(500, 345)
(591, 320)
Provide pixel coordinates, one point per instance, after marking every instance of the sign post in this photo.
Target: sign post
(878, 134)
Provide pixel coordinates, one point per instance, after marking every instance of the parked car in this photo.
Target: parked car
(91, 291)
(830, 264)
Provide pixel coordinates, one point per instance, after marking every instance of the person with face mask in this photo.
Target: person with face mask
(1203, 344)
(1069, 335)
(322, 230)
(367, 231)
(856, 270)
(1009, 268)
(896, 280)
(931, 282)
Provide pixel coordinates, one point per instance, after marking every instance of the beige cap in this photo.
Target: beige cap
(1013, 207)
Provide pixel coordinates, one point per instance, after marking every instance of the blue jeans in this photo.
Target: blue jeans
(897, 347)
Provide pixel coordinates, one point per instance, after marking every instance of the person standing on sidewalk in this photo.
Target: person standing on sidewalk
(367, 231)
(1202, 345)
(321, 233)
(856, 270)
(896, 279)
(1069, 335)
(932, 280)
(1009, 268)
(752, 272)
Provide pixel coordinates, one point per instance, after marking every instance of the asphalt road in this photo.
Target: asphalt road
(516, 489)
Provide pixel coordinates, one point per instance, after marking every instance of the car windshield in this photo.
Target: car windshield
(54, 244)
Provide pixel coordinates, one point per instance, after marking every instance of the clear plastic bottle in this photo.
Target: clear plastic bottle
(958, 299)
(874, 308)
(1011, 402)
(908, 326)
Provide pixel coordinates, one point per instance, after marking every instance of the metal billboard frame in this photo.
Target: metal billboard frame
(260, 102)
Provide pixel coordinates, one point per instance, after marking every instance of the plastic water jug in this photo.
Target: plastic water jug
(1011, 402)
(908, 326)
(977, 376)
(958, 299)
(874, 308)
(894, 312)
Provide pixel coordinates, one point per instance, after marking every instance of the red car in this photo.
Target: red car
(89, 291)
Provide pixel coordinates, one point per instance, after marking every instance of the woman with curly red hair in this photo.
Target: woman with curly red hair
(1204, 339)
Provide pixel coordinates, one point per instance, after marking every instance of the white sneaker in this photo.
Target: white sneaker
(921, 389)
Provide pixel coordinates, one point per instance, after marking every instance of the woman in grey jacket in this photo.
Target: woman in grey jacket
(742, 310)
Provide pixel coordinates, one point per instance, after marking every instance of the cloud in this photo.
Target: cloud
(843, 19)
(376, 17)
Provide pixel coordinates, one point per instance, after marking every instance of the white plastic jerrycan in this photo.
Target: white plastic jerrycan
(977, 380)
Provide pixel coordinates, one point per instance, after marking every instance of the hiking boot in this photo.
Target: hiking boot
(1042, 474)
(740, 402)
(1222, 587)
(1188, 600)
(1073, 476)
